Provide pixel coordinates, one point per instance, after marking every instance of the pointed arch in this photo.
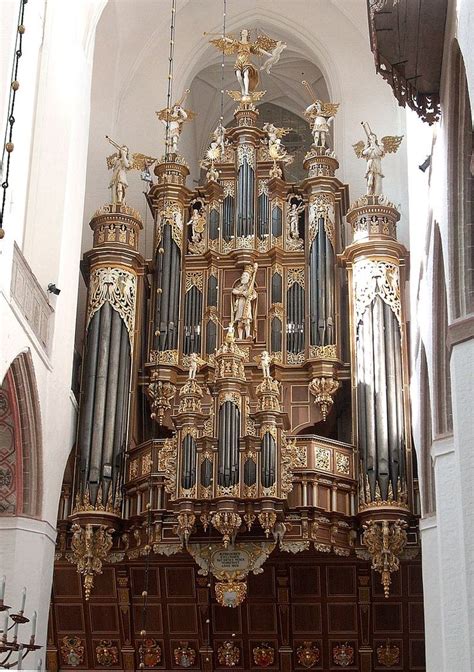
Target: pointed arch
(426, 475)
(20, 440)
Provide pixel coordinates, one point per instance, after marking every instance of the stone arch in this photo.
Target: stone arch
(461, 187)
(20, 440)
(442, 375)
(426, 470)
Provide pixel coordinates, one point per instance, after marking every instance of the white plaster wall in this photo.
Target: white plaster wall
(447, 544)
(44, 217)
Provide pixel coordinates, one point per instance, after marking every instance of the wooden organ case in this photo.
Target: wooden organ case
(243, 493)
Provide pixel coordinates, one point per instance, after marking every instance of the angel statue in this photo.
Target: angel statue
(120, 163)
(218, 137)
(245, 70)
(173, 118)
(243, 314)
(320, 115)
(275, 146)
(373, 152)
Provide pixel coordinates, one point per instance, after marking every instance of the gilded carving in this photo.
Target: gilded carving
(323, 389)
(374, 277)
(322, 459)
(322, 352)
(385, 541)
(150, 653)
(263, 655)
(230, 593)
(227, 523)
(245, 152)
(164, 357)
(262, 186)
(161, 395)
(118, 287)
(167, 459)
(343, 463)
(229, 188)
(295, 275)
(147, 464)
(295, 357)
(194, 279)
(89, 548)
(133, 469)
(184, 655)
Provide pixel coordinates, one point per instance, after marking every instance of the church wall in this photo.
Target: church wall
(446, 532)
(43, 223)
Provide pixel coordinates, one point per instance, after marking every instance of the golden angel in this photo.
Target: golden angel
(373, 152)
(120, 163)
(173, 118)
(320, 115)
(275, 147)
(245, 70)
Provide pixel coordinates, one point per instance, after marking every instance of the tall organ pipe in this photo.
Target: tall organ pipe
(245, 199)
(228, 444)
(380, 396)
(87, 400)
(112, 390)
(268, 460)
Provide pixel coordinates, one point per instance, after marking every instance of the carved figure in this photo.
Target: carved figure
(219, 139)
(275, 134)
(243, 302)
(197, 223)
(373, 152)
(245, 70)
(265, 360)
(194, 363)
(173, 118)
(292, 215)
(120, 163)
(320, 115)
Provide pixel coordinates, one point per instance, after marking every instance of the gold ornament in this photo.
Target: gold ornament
(227, 523)
(385, 541)
(89, 548)
(228, 654)
(323, 389)
(308, 655)
(230, 593)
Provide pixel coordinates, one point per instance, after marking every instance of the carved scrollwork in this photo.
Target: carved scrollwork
(245, 152)
(385, 541)
(194, 279)
(323, 389)
(322, 205)
(167, 461)
(89, 548)
(119, 288)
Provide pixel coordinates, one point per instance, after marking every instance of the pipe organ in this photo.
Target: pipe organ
(246, 390)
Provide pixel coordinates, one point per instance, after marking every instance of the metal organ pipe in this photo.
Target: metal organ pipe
(380, 395)
(88, 393)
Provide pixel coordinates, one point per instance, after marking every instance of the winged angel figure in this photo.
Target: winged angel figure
(320, 116)
(173, 118)
(245, 70)
(120, 163)
(373, 152)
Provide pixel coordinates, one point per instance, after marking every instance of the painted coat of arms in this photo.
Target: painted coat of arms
(72, 651)
(343, 655)
(184, 655)
(263, 655)
(150, 653)
(228, 654)
(106, 653)
(308, 655)
(388, 654)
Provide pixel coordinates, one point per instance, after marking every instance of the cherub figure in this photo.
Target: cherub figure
(173, 118)
(245, 70)
(275, 145)
(265, 360)
(320, 115)
(373, 152)
(194, 363)
(296, 207)
(120, 163)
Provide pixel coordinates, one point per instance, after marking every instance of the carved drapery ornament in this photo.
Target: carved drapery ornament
(171, 213)
(119, 288)
(385, 541)
(373, 277)
(323, 389)
(89, 549)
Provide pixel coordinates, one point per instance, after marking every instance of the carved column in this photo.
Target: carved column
(128, 651)
(376, 263)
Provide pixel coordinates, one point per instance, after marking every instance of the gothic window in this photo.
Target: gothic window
(428, 494)
(19, 440)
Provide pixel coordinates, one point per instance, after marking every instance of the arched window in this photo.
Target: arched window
(442, 373)
(20, 441)
(428, 496)
(461, 192)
